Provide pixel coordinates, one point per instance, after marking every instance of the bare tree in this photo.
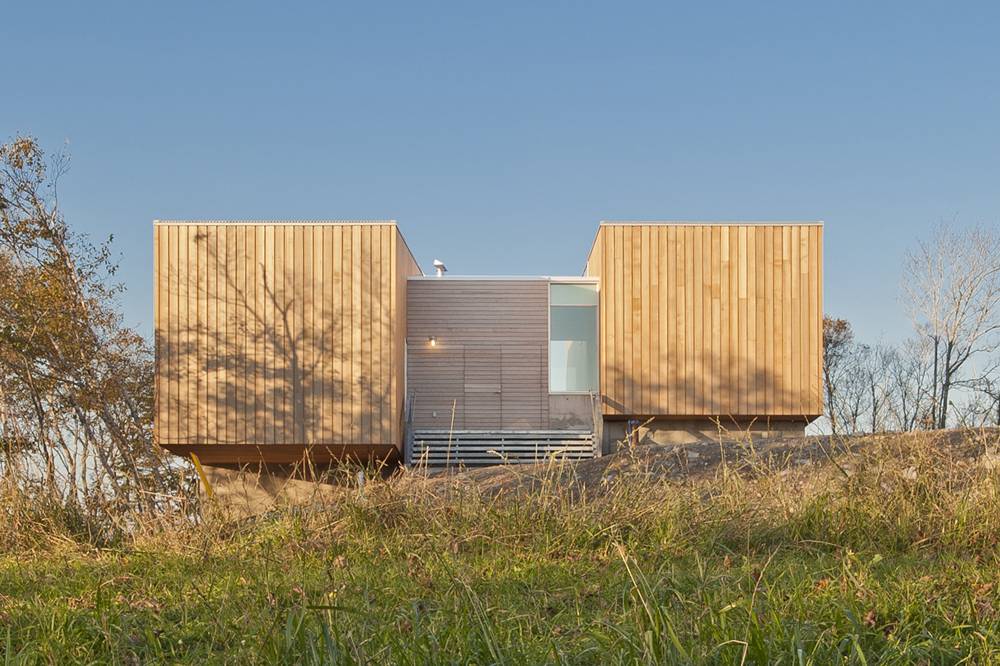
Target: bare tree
(908, 371)
(872, 366)
(952, 287)
(851, 405)
(986, 391)
(837, 340)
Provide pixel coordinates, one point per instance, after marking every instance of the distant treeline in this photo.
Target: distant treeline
(947, 373)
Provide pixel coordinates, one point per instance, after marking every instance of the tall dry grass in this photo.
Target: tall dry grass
(887, 556)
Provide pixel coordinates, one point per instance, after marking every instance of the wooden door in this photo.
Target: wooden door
(482, 387)
(523, 393)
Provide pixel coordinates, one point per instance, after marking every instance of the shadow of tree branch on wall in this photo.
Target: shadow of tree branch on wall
(709, 405)
(254, 353)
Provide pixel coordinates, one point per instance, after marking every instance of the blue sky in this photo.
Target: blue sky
(499, 134)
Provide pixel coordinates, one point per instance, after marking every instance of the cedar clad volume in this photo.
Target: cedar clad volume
(710, 319)
(279, 333)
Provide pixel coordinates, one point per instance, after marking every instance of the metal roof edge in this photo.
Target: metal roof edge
(505, 278)
(277, 222)
(713, 223)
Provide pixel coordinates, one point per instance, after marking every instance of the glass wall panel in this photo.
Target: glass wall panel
(572, 338)
(573, 294)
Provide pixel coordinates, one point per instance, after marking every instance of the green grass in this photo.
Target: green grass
(815, 568)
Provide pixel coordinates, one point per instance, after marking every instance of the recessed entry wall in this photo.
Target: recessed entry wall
(480, 348)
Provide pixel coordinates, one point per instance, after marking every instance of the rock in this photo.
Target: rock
(910, 474)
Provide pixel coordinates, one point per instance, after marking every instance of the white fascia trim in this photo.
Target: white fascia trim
(506, 278)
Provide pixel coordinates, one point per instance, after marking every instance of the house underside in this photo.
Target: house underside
(311, 343)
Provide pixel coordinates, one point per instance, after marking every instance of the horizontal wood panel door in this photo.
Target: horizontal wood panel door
(439, 386)
(523, 368)
(491, 386)
(710, 319)
(482, 387)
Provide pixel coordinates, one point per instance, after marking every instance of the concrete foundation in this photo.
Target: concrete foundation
(687, 431)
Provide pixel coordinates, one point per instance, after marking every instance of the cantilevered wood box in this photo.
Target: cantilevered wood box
(710, 320)
(275, 337)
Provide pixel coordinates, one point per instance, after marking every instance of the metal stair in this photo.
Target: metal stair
(477, 448)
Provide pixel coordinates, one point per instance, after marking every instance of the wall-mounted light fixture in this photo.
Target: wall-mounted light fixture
(433, 341)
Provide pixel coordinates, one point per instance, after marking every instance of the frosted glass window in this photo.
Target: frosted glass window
(573, 294)
(572, 338)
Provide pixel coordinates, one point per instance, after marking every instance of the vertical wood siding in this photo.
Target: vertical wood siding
(491, 357)
(710, 320)
(271, 334)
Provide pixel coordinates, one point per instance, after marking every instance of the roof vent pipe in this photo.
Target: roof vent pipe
(440, 267)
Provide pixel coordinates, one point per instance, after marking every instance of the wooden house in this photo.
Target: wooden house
(283, 341)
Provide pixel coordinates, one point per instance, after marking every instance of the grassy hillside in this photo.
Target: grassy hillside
(708, 555)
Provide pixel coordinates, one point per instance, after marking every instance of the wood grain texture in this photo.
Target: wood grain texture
(279, 334)
(710, 319)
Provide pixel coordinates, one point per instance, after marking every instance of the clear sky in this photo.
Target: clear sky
(499, 134)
